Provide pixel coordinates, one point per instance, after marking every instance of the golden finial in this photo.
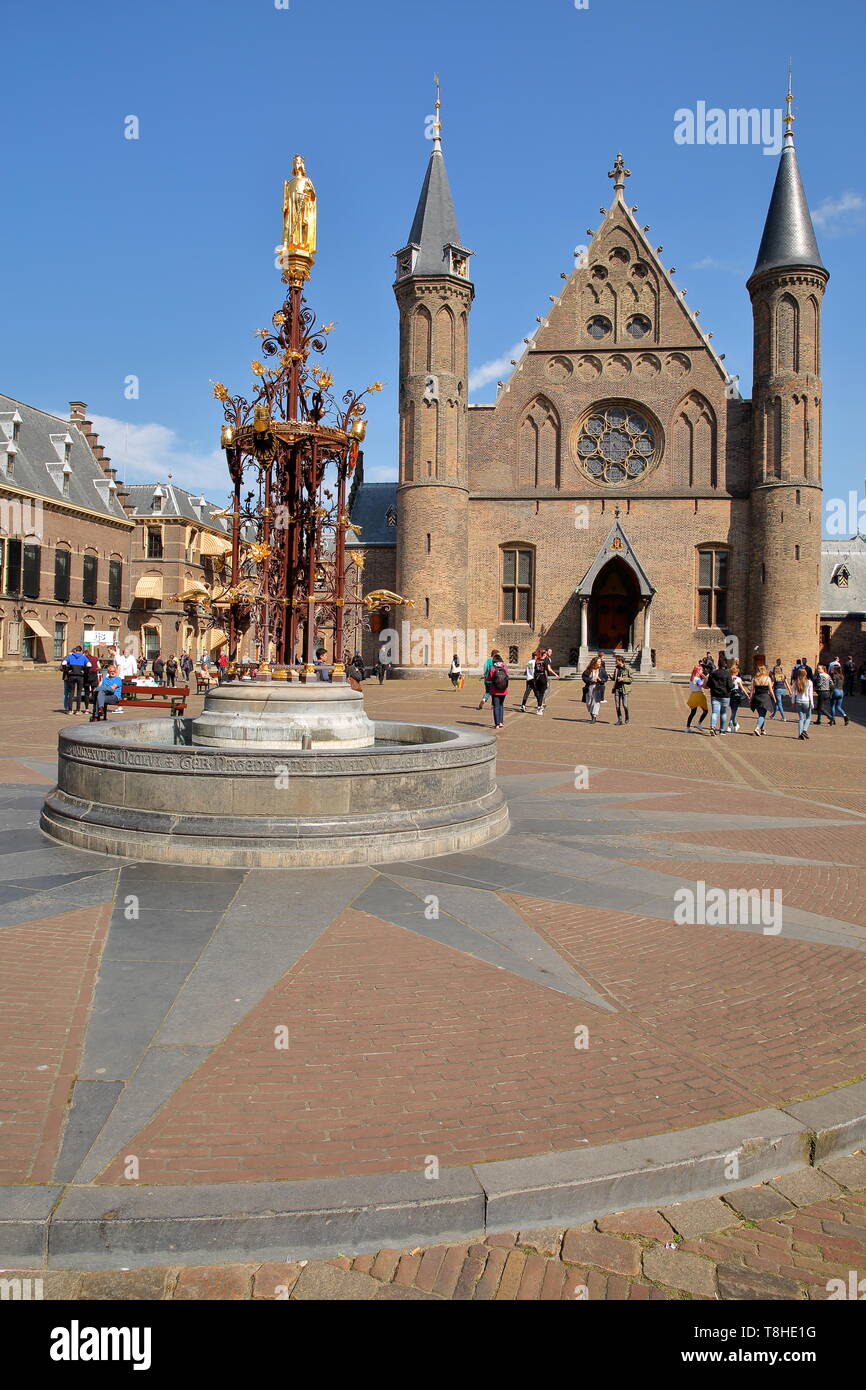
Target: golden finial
(437, 124)
(789, 116)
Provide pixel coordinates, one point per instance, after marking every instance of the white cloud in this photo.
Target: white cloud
(838, 215)
(497, 370)
(711, 263)
(147, 453)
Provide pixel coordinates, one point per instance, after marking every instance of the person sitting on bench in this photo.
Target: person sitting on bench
(108, 693)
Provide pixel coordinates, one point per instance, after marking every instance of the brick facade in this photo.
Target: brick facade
(716, 473)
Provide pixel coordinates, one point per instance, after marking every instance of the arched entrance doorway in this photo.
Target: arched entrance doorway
(613, 607)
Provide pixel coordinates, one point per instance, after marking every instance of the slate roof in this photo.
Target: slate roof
(176, 501)
(435, 223)
(41, 452)
(789, 237)
(370, 512)
(838, 600)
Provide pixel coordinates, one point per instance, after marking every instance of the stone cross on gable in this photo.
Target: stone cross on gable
(619, 173)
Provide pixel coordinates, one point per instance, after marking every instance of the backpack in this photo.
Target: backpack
(499, 679)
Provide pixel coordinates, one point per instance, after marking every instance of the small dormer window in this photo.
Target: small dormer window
(16, 427)
(391, 516)
(66, 472)
(406, 261)
(840, 577)
(10, 461)
(67, 448)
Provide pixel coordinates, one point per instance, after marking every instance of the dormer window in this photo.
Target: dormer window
(156, 504)
(391, 516)
(406, 261)
(11, 451)
(840, 576)
(66, 473)
(67, 448)
(16, 427)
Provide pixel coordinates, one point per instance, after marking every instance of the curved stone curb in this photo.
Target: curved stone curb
(103, 1227)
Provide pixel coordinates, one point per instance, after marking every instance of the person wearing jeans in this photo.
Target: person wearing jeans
(802, 694)
(837, 695)
(720, 687)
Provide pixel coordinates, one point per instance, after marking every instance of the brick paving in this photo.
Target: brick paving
(405, 1043)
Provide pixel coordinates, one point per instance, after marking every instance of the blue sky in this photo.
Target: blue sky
(154, 257)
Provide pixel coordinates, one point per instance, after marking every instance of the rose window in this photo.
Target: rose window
(616, 444)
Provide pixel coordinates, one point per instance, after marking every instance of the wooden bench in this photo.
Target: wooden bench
(203, 682)
(173, 697)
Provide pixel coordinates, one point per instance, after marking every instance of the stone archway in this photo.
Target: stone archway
(613, 607)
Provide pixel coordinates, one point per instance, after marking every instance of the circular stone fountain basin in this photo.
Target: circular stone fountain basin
(144, 790)
(271, 715)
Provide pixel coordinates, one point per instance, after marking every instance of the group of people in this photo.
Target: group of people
(721, 691)
(538, 673)
(84, 675)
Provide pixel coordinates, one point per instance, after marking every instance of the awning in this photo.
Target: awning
(216, 637)
(214, 545)
(149, 586)
(35, 626)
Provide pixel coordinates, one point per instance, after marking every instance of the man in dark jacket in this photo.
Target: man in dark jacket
(720, 686)
(158, 668)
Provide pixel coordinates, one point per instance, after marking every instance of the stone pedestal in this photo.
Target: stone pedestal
(273, 715)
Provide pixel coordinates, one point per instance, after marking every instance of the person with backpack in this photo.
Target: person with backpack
(91, 679)
(621, 687)
(76, 665)
(762, 697)
(498, 688)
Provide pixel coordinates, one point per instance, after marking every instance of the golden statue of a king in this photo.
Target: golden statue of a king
(299, 210)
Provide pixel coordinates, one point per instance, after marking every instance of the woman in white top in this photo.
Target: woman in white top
(802, 694)
(455, 671)
(529, 677)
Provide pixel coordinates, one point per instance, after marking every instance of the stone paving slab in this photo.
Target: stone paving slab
(625, 1257)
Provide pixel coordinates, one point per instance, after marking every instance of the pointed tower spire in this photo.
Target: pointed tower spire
(434, 246)
(789, 237)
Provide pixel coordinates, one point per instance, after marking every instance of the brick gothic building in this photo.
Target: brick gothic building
(619, 494)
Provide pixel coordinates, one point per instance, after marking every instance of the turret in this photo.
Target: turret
(434, 295)
(786, 289)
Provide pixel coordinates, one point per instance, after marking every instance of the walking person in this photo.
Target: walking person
(697, 697)
(762, 697)
(781, 688)
(837, 695)
(529, 677)
(171, 670)
(158, 668)
(455, 671)
(544, 673)
(498, 688)
(720, 685)
(739, 696)
(380, 669)
(621, 687)
(186, 665)
(849, 672)
(822, 694)
(485, 676)
(802, 693)
(594, 678)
